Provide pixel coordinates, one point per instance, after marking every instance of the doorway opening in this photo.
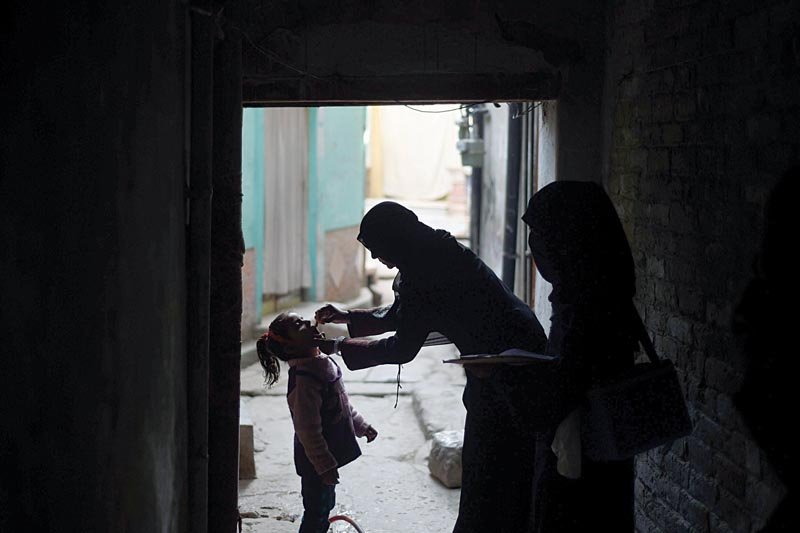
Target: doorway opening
(308, 176)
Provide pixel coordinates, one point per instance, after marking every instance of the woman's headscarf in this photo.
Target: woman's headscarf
(578, 243)
(394, 233)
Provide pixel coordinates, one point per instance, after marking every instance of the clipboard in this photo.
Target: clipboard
(513, 356)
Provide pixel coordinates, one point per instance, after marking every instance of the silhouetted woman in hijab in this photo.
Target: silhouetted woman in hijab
(579, 246)
(444, 287)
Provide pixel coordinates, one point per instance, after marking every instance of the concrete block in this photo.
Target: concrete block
(247, 461)
(444, 461)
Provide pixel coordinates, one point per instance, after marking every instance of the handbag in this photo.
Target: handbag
(638, 410)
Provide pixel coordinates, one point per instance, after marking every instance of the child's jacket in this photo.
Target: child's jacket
(325, 423)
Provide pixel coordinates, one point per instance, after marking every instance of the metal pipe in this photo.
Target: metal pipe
(198, 258)
(533, 188)
(227, 252)
(476, 186)
(513, 163)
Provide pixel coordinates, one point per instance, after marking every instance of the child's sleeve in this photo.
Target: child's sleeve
(304, 402)
(359, 424)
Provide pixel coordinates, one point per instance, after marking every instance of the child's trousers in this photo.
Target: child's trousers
(318, 500)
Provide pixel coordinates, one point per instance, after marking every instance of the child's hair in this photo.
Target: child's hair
(270, 349)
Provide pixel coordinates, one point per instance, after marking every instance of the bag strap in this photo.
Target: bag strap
(644, 337)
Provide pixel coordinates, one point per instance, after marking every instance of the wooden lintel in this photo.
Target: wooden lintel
(399, 89)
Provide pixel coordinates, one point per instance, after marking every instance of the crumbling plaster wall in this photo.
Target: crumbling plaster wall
(702, 111)
(352, 38)
(93, 364)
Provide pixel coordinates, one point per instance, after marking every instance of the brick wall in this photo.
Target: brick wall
(702, 117)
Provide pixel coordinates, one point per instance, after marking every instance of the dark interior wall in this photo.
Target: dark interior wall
(420, 51)
(703, 111)
(92, 372)
(569, 34)
(457, 50)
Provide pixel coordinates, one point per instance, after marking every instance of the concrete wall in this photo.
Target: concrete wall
(251, 294)
(93, 368)
(252, 216)
(493, 187)
(547, 163)
(337, 182)
(341, 166)
(344, 265)
(702, 109)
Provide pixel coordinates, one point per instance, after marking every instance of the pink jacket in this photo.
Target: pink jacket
(304, 403)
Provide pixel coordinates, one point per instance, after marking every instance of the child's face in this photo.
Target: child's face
(301, 332)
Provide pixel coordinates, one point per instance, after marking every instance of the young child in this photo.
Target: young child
(325, 424)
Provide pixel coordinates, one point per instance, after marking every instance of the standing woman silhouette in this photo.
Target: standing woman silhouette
(579, 246)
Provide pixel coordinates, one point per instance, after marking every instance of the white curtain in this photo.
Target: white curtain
(286, 263)
(420, 159)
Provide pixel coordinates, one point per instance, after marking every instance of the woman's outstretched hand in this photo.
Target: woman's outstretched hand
(331, 314)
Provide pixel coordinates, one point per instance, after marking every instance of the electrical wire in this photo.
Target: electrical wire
(528, 110)
(465, 106)
(274, 56)
(266, 52)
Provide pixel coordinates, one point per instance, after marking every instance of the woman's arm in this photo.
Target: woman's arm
(398, 349)
(360, 322)
(365, 322)
(412, 328)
